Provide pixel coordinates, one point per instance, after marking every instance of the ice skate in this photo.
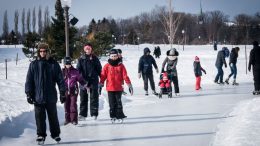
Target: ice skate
(57, 139)
(146, 93)
(40, 140)
(227, 81)
(235, 83)
(155, 93)
(113, 120)
(81, 118)
(256, 92)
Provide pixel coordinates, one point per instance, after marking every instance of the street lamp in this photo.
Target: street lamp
(183, 33)
(113, 38)
(3, 41)
(66, 4)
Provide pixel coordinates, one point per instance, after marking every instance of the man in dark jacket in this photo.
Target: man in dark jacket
(90, 68)
(254, 61)
(219, 64)
(42, 76)
(233, 67)
(146, 71)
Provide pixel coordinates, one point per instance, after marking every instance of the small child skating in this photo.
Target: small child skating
(71, 77)
(198, 72)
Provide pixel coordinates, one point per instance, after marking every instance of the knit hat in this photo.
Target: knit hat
(146, 50)
(165, 76)
(67, 61)
(119, 51)
(255, 43)
(197, 58)
(113, 51)
(172, 52)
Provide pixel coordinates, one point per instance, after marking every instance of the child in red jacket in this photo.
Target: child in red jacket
(165, 82)
(114, 73)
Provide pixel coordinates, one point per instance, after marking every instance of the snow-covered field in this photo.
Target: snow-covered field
(217, 115)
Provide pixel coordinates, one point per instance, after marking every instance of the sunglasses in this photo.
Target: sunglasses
(113, 56)
(43, 51)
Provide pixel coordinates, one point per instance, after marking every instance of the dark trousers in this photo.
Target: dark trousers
(256, 74)
(219, 75)
(174, 80)
(233, 69)
(115, 104)
(71, 112)
(149, 77)
(93, 102)
(40, 117)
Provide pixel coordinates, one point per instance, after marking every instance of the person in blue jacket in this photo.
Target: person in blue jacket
(40, 87)
(220, 61)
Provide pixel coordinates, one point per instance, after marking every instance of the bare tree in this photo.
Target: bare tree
(40, 21)
(16, 21)
(28, 20)
(170, 22)
(23, 22)
(34, 20)
(5, 26)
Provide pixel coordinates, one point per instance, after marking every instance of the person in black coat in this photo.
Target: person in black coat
(254, 61)
(220, 61)
(232, 64)
(146, 71)
(42, 76)
(90, 68)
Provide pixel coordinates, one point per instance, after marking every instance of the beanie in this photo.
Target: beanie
(197, 58)
(67, 61)
(113, 51)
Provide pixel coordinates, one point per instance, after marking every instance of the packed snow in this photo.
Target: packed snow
(216, 115)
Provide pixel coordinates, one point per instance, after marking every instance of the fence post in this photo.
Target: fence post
(16, 58)
(6, 69)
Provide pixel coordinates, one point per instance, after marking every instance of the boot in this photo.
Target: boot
(234, 82)
(146, 93)
(227, 81)
(155, 93)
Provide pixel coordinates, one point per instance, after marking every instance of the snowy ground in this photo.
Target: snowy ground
(217, 115)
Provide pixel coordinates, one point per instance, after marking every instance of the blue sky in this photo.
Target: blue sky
(85, 10)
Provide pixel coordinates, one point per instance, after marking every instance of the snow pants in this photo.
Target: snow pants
(115, 104)
(93, 96)
(198, 80)
(149, 77)
(256, 74)
(40, 118)
(71, 111)
(219, 75)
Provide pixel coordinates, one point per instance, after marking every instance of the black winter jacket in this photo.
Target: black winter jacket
(220, 59)
(90, 68)
(254, 58)
(145, 64)
(198, 69)
(233, 57)
(41, 80)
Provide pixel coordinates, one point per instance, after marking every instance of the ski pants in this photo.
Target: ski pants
(233, 69)
(93, 95)
(40, 118)
(71, 111)
(198, 80)
(149, 77)
(115, 104)
(256, 74)
(219, 75)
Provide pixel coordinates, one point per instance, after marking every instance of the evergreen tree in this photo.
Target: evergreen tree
(28, 20)
(30, 44)
(23, 22)
(40, 29)
(5, 27)
(34, 20)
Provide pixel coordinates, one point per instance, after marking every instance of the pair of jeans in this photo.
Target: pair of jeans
(220, 74)
(233, 69)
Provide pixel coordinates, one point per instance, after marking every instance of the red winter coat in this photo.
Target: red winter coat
(114, 76)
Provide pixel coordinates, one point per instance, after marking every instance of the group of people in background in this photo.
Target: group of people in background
(44, 73)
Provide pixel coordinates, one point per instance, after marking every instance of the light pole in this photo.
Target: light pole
(66, 4)
(183, 33)
(138, 42)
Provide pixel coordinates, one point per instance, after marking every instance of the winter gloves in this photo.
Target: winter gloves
(30, 99)
(62, 97)
(131, 90)
(100, 86)
(204, 71)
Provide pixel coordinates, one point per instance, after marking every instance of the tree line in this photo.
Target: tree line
(161, 25)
